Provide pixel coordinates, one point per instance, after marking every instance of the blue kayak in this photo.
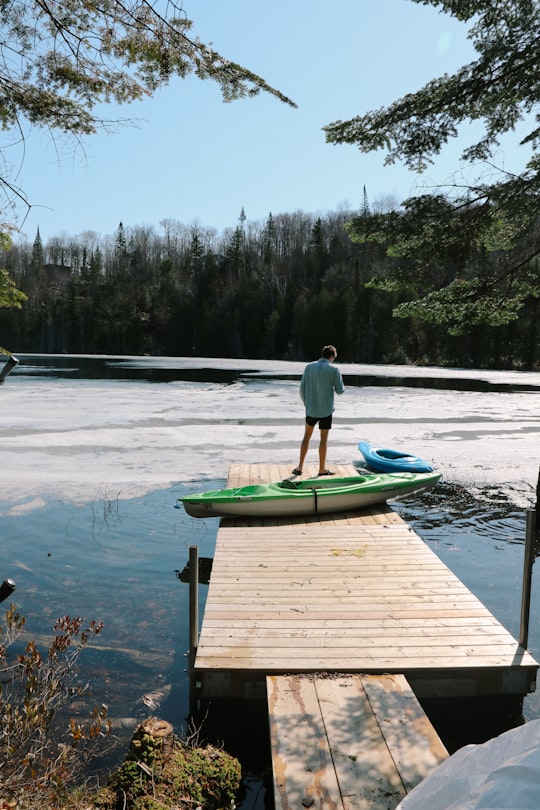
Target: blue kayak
(382, 459)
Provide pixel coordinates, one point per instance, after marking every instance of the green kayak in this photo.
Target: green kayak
(309, 496)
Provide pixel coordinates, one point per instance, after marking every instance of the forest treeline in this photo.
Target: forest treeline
(276, 289)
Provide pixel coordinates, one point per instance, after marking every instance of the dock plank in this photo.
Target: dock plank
(365, 770)
(413, 742)
(302, 761)
(381, 742)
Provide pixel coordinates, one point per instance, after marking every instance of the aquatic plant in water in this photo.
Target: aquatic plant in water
(42, 750)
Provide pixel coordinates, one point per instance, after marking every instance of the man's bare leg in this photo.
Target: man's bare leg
(323, 445)
(308, 432)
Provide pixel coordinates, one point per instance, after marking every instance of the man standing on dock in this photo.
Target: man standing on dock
(320, 380)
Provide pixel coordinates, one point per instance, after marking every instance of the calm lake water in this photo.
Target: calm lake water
(116, 559)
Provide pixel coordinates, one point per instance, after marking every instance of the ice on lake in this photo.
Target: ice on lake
(78, 439)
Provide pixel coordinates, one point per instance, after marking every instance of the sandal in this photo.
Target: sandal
(296, 471)
(326, 472)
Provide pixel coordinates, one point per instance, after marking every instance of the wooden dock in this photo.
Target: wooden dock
(348, 741)
(341, 623)
(349, 593)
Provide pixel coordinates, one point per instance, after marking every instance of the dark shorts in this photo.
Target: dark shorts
(325, 422)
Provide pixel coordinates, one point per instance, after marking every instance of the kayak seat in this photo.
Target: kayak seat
(288, 484)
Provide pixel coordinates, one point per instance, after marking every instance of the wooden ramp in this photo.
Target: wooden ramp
(345, 593)
(356, 742)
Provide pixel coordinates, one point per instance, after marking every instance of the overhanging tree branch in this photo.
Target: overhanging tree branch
(481, 245)
(59, 59)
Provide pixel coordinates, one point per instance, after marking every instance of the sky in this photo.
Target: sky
(195, 159)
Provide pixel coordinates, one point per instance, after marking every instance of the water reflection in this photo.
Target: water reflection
(118, 567)
(98, 368)
(482, 540)
(454, 510)
(212, 370)
(438, 383)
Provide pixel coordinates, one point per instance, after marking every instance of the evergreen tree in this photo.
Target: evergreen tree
(269, 240)
(317, 258)
(196, 255)
(96, 265)
(365, 210)
(176, 296)
(10, 296)
(121, 254)
(235, 252)
(38, 257)
(500, 215)
(37, 281)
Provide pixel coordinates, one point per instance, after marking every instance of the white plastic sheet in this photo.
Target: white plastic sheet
(501, 774)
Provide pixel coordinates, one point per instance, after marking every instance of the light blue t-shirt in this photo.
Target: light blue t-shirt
(319, 382)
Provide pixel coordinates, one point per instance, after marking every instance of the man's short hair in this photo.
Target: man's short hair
(328, 351)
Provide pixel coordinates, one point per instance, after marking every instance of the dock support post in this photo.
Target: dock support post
(527, 577)
(193, 623)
